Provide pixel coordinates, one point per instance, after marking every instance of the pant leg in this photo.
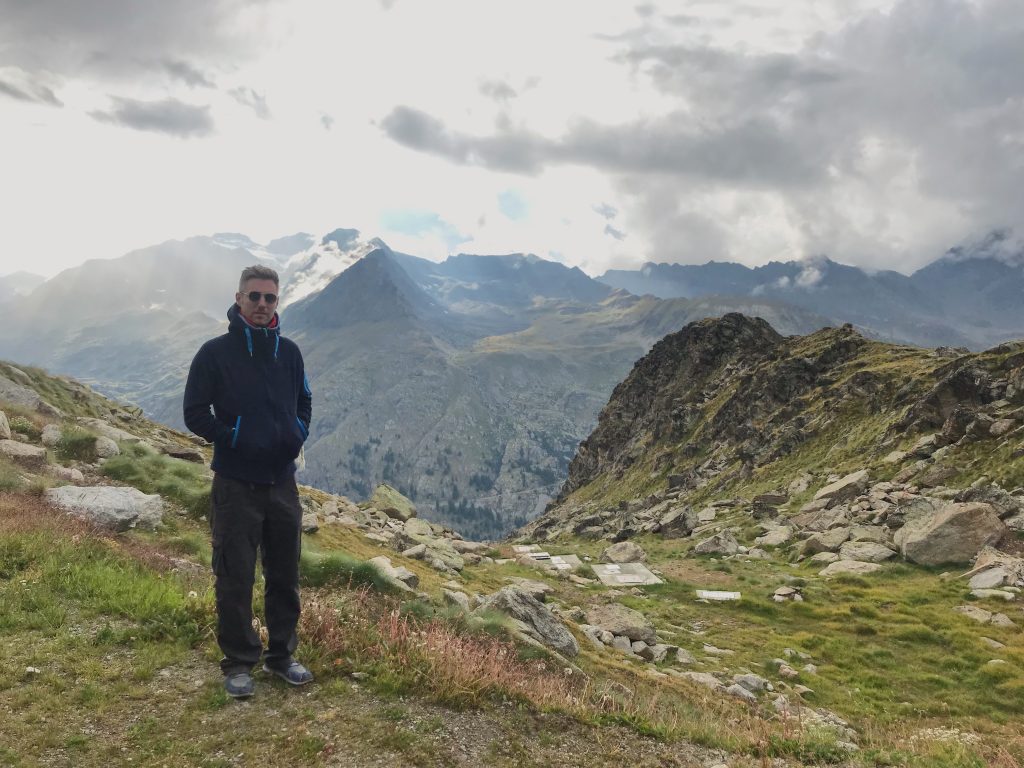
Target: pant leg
(236, 522)
(282, 543)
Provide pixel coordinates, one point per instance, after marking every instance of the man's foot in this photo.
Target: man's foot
(291, 672)
(239, 685)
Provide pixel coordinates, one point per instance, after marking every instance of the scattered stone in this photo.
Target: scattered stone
(1001, 620)
(707, 515)
(722, 543)
(455, 598)
(417, 552)
(118, 508)
(825, 541)
(895, 457)
(623, 552)
(27, 456)
(51, 435)
(392, 503)
(538, 590)
(993, 644)
(418, 527)
(622, 644)
(993, 593)
(683, 656)
(740, 692)
(975, 613)
(678, 523)
(866, 551)
(70, 474)
(825, 557)
(844, 489)
(620, 620)
(703, 678)
(776, 537)
(712, 650)
(753, 683)
(849, 566)
(469, 547)
(106, 448)
(783, 594)
(310, 524)
(400, 577)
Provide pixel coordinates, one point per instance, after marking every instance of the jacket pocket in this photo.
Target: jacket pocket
(234, 435)
(302, 429)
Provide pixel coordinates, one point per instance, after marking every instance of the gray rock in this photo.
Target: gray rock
(469, 547)
(70, 474)
(453, 597)
(24, 455)
(683, 656)
(417, 552)
(845, 488)
(623, 552)
(866, 551)
(993, 594)
(704, 678)
(740, 692)
(678, 523)
(109, 507)
(418, 527)
(622, 644)
(5, 427)
(975, 613)
(825, 557)
(775, 537)
(825, 541)
(753, 683)
(620, 620)
(1001, 620)
(660, 652)
(849, 566)
(309, 523)
(538, 590)
(954, 534)
(521, 606)
(51, 435)
(643, 650)
(383, 564)
(722, 543)
(989, 578)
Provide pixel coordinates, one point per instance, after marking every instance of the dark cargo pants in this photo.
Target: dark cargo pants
(246, 517)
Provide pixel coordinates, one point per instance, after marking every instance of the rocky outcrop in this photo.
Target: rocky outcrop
(536, 619)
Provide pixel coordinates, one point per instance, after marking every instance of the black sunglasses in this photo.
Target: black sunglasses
(254, 297)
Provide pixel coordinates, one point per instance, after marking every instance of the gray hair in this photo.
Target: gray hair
(257, 272)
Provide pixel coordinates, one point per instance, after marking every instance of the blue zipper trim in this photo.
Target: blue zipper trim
(234, 437)
(277, 342)
(302, 428)
(305, 385)
(248, 340)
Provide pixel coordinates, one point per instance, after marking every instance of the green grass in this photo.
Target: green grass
(319, 569)
(186, 483)
(76, 443)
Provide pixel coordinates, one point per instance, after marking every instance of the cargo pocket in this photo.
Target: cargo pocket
(218, 561)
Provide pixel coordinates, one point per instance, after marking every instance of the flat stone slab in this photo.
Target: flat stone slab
(565, 562)
(624, 574)
(717, 595)
(849, 566)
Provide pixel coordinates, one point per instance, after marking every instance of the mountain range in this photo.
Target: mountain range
(469, 383)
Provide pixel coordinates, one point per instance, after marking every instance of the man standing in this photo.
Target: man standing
(255, 383)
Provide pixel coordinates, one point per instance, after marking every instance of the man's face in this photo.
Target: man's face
(259, 312)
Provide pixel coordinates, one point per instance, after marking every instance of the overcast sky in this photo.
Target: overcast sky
(600, 134)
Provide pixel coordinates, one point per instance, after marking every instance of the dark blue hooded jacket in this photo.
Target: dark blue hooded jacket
(255, 382)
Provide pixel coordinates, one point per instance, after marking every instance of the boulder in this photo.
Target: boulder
(106, 448)
(70, 474)
(954, 534)
(722, 543)
(51, 435)
(538, 590)
(5, 427)
(844, 489)
(620, 620)
(849, 566)
(27, 456)
(392, 503)
(456, 598)
(775, 537)
(309, 523)
(678, 523)
(400, 577)
(825, 541)
(866, 551)
(544, 625)
(469, 547)
(1000, 427)
(109, 507)
(417, 527)
(623, 552)
(704, 678)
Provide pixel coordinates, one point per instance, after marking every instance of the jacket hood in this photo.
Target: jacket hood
(237, 324)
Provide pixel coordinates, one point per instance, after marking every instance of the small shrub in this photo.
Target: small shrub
(10, 478)
(181, 481)
(76, 443)
(318, 570)
(26, 426)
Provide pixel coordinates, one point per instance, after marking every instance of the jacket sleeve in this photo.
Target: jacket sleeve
(304, 406)
(199, 395)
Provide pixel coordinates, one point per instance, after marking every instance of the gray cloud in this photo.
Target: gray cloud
(169, 116)
(881, 144)
(613, 232)
(326, 121)
(111, 37)
(31, 92)
(606, 211)
(755, 151)
(498, 90)
(188, 74)
(257, 102)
